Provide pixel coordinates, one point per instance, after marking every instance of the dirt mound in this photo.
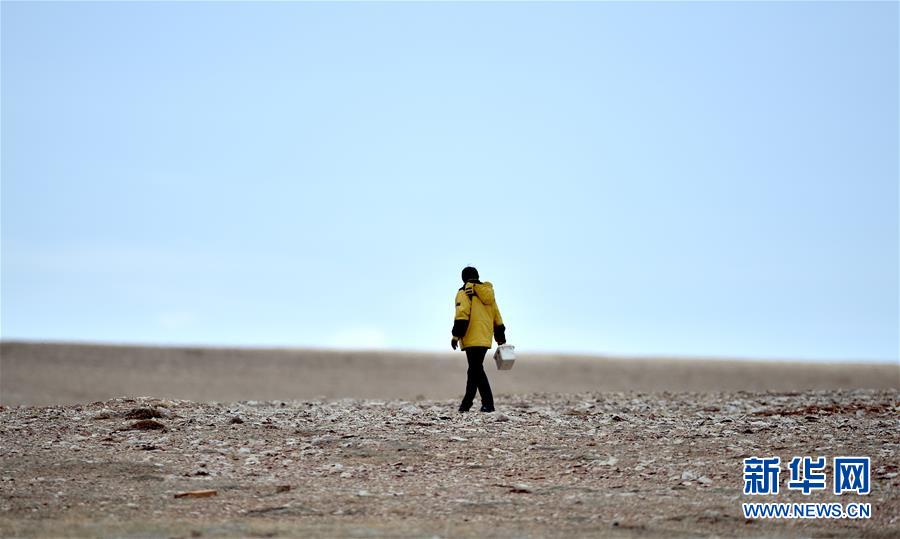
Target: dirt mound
(143, 413)
(146, 424)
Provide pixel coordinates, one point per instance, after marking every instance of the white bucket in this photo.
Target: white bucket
(505, 356)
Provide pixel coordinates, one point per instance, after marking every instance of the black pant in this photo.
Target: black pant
(477, 379)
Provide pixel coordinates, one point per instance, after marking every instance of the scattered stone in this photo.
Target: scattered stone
(410, 409)
(143, 413)
(273, 509)
(354, 459)
(196, 494)
(146, 424)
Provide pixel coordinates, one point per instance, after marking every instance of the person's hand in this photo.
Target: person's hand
(470, 289)
(454, 342)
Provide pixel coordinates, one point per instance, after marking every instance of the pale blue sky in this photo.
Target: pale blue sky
(635, 178)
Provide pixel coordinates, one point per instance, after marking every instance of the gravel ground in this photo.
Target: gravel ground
(543, 465)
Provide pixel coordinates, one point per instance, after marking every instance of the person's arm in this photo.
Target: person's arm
(499, 327)
(461, 318)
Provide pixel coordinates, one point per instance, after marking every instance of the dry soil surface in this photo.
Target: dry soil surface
(60, 373)
(544, 465)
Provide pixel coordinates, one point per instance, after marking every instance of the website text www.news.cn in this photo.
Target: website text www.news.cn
(850, 475)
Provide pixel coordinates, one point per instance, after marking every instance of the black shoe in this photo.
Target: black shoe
(463, 408)
(487, 409)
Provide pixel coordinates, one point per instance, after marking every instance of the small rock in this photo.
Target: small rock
(196, 494)
(143, 413)
(146, 424)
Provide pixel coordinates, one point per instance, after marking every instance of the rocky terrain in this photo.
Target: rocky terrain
(544, 465)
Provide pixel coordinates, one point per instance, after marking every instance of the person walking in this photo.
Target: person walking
(477, 319)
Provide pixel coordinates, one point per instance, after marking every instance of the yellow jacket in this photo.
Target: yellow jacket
(478, 318)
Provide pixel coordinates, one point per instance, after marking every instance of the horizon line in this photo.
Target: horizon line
(403, 350)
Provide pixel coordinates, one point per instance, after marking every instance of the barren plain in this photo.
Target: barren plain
(577, 448)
